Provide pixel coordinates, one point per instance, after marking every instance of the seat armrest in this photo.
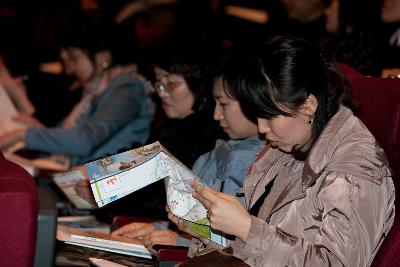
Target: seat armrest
(170, 253)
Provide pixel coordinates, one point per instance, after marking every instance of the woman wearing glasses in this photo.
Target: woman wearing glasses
(182, 70)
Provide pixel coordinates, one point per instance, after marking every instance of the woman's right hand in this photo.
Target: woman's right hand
(136, 230)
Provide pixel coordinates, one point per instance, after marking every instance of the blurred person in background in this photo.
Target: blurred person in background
(183, 68)
(113, 113)
(313, 20)
(390, 49)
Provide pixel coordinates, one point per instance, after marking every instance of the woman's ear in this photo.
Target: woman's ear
(103, 60)
(309, 107)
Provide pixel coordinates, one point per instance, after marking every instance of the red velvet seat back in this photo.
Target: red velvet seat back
(18, 215)
(379, 102)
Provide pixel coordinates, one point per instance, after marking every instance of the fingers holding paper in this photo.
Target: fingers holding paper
(179, 222)
(183, 226)
(225, 212)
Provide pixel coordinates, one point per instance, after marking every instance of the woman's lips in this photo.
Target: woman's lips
(165, 105)
(273, 143)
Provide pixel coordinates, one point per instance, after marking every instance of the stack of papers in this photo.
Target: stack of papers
(102, 241)
(87, 223)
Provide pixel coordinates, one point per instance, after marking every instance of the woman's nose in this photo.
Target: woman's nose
(263, 126)
(218, 113)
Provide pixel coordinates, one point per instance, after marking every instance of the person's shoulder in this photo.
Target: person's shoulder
(356, 152)
(253, 143)
(234, 152)
(129, 79)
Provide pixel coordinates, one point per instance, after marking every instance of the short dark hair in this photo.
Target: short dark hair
(192, 55)
(89, 42)
(227, 70)
(283, 73)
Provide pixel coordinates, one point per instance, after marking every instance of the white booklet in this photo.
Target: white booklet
(116, 176)
(102, 241)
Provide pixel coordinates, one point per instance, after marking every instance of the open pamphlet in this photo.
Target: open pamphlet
(102, 241)
(116, 176)
(67, 181)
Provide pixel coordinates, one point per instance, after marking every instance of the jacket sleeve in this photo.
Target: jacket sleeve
(344, 234)
(120, 108)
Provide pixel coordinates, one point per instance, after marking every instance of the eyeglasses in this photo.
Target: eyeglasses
(168, 88)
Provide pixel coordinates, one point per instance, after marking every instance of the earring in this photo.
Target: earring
(105, 64)
(311, 121)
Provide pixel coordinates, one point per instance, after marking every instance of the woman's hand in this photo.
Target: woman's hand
(183, 226)
(28, 120)
(162, 237)
(137, 230)
(225, 212)
(11, 138)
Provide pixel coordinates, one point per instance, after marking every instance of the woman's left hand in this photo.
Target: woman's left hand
(225, 212)
(162, 237)
(11, 138)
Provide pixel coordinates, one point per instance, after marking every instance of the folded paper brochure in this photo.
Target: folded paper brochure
(116, 176)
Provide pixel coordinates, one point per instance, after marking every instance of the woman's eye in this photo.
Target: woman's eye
(173, 85)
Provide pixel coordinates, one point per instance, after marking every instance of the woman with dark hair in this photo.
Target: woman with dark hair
(320, 193)
(112, 114)
(183, 65)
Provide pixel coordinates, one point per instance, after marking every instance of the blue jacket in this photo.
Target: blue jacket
(225, 167)
(117, 119)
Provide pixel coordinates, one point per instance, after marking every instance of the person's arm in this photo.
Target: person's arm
(137, 6)
(9, 139)
(16, 90)
(119, 110)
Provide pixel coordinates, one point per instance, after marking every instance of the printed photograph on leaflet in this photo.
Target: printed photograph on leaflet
(67, 181)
